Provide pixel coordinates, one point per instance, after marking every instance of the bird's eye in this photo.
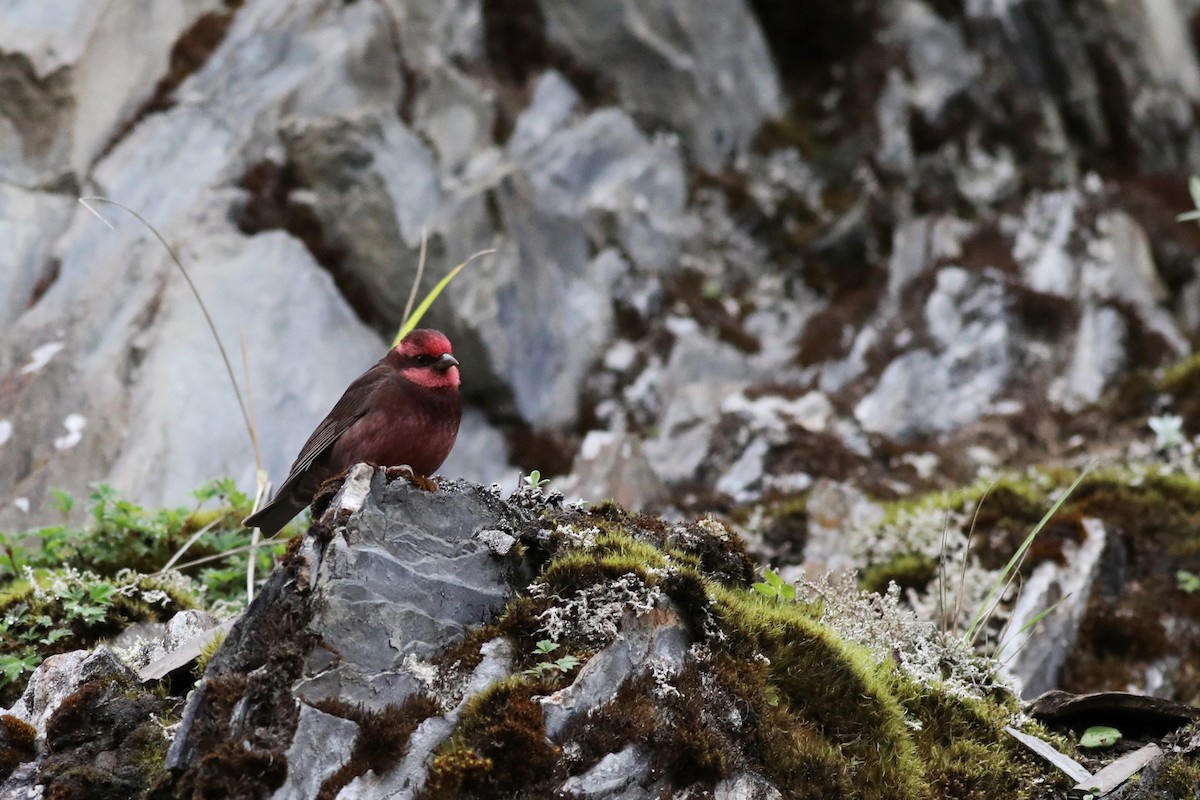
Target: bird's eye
(425, 360)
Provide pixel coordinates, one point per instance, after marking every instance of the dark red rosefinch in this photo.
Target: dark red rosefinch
(403, 410)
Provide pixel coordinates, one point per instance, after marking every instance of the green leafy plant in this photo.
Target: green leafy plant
(1098, 737)
(120, 535)
(774, 588)
(546, 648)
(534, 480)
(1188, 582)
(50, 611)
(412, 320)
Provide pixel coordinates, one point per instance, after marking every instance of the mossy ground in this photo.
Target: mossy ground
(766, 688)
(1137, 613)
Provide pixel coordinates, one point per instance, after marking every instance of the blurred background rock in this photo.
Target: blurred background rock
(741, 244)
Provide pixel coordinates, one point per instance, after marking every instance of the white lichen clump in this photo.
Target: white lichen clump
(890, 631)
(594, 614)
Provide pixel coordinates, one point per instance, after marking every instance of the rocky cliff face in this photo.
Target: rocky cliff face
(750, 242)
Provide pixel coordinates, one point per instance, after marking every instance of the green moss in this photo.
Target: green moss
(207, 652)
(832, 686)
(908, 571)
(69, 610)
(1182, 377)
(1177, 779)
(769, 688)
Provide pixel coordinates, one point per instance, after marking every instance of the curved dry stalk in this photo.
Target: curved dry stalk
(214, 557)
(191, 541)
(199, 300)
(412, 293)
(962, 576)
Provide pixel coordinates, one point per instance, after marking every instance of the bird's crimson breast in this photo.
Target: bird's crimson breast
(417, 428)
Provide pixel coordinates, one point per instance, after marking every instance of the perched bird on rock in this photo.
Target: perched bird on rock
(403, 410)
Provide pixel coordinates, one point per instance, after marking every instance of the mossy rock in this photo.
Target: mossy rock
(767, 687)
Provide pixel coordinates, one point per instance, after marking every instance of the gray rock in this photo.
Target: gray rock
(29, 221)
(404, 782)
(1099, 356)
(66, 96)
(746, 786)
(455, 114)
(434, 30)
(922, 391)
(377, 188)
(480, 454)
(57, 678)
(322, 743)
(1037, 651)
(383, 568)
(687, 395)
(834, 510)
(617, 776)
(941, 65)
(389, 575)
(554, 101)
(656, 640)
(702, 66)
(146, 642)
(613, 465)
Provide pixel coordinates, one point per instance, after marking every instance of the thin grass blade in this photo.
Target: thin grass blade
(1014, 563)
(412, 322)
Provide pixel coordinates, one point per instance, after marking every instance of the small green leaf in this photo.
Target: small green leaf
(765, 589)
(773, 578)
(1188, 582)
(101, 593)
(63, 501)
(1099, 736)
(545, 646)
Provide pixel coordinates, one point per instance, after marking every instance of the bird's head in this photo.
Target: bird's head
(424, 357)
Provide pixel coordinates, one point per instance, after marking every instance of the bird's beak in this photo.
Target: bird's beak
(445, 362)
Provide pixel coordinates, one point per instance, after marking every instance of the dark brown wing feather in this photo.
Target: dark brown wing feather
(308, 472)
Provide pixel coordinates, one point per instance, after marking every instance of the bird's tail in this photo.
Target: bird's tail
(271, 518)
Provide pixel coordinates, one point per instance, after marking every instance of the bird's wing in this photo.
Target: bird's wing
(349, 409)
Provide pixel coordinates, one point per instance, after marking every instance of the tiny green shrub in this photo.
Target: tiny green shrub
(65, 587)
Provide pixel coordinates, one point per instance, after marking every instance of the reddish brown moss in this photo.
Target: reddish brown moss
(499, 749)
(382, 740)
(17, 744)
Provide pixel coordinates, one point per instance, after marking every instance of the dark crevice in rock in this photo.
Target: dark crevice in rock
(518, 51)
(383, 737)
(820, 52)
(191, 51)
(269, 205)
(44, 282)
(34, 105)
(688, 288)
